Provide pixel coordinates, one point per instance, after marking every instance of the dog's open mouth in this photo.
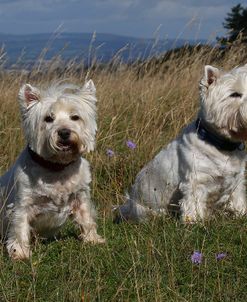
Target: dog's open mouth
(67, 146)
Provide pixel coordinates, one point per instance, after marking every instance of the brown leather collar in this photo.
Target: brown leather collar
(49, 165)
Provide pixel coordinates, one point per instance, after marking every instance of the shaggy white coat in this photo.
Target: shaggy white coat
(193, 177)
(35, 199)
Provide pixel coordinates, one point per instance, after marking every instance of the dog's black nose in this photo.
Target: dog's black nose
(64, 133)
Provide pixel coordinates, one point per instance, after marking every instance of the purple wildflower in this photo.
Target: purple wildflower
(220, 256)
(131, 144)
(196, 257)
(110, 153)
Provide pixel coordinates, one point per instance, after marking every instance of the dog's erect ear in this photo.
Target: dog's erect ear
(211, 74)
(89, 87)
(29, 95)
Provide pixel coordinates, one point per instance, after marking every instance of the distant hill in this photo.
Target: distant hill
(23, 50)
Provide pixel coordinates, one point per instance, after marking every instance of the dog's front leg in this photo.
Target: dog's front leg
(238, 200)
(84, 214)
(18, 241)
(193, 205)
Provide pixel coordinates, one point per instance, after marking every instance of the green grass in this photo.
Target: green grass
(145, 262)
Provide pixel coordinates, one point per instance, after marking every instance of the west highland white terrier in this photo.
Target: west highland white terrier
(201, 171)
(50, 180)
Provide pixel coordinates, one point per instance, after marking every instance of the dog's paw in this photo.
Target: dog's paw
(189, 220)
(92, 237)
(17, 251)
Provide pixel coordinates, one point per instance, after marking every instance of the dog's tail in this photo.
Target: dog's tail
(129, 211)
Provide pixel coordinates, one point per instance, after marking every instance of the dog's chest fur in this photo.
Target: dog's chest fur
(219, 176)
(59, 192)
(51, 204)
(49, 195)
(210, 171)
(52, 197)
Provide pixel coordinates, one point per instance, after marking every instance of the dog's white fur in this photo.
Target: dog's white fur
(35, 199)
(190, 174)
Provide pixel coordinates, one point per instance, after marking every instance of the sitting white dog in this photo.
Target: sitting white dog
(50, 180)
(203, 169)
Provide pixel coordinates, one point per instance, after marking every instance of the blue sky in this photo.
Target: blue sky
(138, 18)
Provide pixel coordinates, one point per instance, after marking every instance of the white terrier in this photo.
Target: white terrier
(50, 180)
(203, 169)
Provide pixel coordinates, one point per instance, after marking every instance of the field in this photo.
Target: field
(147, 103)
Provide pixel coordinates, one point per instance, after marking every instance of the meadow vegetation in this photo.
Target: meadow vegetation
(147, 103)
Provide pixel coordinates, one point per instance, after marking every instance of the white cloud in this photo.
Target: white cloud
(130, 17)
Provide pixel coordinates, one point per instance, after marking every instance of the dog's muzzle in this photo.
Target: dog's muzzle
(67, 140)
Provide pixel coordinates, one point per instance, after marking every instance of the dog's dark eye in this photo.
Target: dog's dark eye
(49, 119)
(75, 117)
(236, 95)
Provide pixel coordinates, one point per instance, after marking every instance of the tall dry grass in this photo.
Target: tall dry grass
(146, 102)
